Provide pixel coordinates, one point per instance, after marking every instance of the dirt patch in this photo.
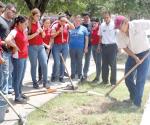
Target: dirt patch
(98, 106)
(69, 114)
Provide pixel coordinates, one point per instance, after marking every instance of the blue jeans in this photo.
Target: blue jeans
(58, 67)
(76, 55)
(148, 76)
(136, 80)
(87, 61)
(18, 75)
(38, 54)
(97, 59)
(5, 73)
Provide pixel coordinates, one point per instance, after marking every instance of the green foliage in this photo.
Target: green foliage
(20, 4)
(132, 8)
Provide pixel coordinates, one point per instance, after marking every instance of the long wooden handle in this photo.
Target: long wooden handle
(67, 72)
(127, 74)
(9, 103)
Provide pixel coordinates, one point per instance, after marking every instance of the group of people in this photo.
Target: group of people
(23, 37)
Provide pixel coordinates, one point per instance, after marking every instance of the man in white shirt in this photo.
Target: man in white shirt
(133, 39)
(109, 49)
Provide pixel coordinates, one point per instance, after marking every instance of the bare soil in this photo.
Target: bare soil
(70, 115)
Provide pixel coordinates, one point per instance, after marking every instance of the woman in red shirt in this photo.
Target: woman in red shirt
(47, 41)
(37, 51)
(60, 31)
(96, 47)
(17, 38)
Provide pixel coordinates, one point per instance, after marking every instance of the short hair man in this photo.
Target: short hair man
(109, 49)
(87, 24)
(6, 69)
(133, 39)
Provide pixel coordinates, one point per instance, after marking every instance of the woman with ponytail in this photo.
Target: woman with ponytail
(37, 51)
(47, 41)
(17, 38)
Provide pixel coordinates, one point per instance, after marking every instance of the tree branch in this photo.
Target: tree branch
(29, 4)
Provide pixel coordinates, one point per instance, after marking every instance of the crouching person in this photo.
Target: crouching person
(132, 38)
(17, 38)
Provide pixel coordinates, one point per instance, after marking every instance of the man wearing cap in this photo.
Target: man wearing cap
(109, 49)
(132, 37)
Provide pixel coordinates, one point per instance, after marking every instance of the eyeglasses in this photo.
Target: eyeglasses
(14, 11)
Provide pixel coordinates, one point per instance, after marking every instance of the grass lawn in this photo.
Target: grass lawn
(84, 109)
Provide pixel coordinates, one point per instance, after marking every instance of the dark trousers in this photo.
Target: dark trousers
(87, 61)
(76, 55)
(109, 53)
(97, 59)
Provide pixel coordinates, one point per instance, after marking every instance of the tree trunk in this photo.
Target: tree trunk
(40, 4)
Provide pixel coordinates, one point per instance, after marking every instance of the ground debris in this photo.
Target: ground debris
(95, 108)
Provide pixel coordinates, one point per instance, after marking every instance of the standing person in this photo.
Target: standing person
(47, 39)
(78, 45)
(2, 61)
(36, 48)
(2, 7)
(96, 46)
(6, 68)
(19, 41)
(133, 40)
(109, 49)
(87, 24)
(60, 31)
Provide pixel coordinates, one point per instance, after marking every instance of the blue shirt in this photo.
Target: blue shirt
(77, 37)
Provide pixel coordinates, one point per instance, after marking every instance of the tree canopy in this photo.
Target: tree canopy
(133, 8)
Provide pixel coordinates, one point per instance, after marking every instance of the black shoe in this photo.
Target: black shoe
(103, 83)
(46, 85)
(61, 80)
(10, 92)
(79, 76)
(7, 110)
(20, 101)
(72, 76)
(53, 79)
(65, 74)
(84, 79)
(24, 97)
(35, 85)
(95, 80)
(40, 81)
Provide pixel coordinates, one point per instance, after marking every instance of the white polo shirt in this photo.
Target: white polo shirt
(108, 33)
(137, 41)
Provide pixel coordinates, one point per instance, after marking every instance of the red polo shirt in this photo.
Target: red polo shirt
(95, 37)
(37, 40)
(20, 39)
(61, 38)
(47, 37)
